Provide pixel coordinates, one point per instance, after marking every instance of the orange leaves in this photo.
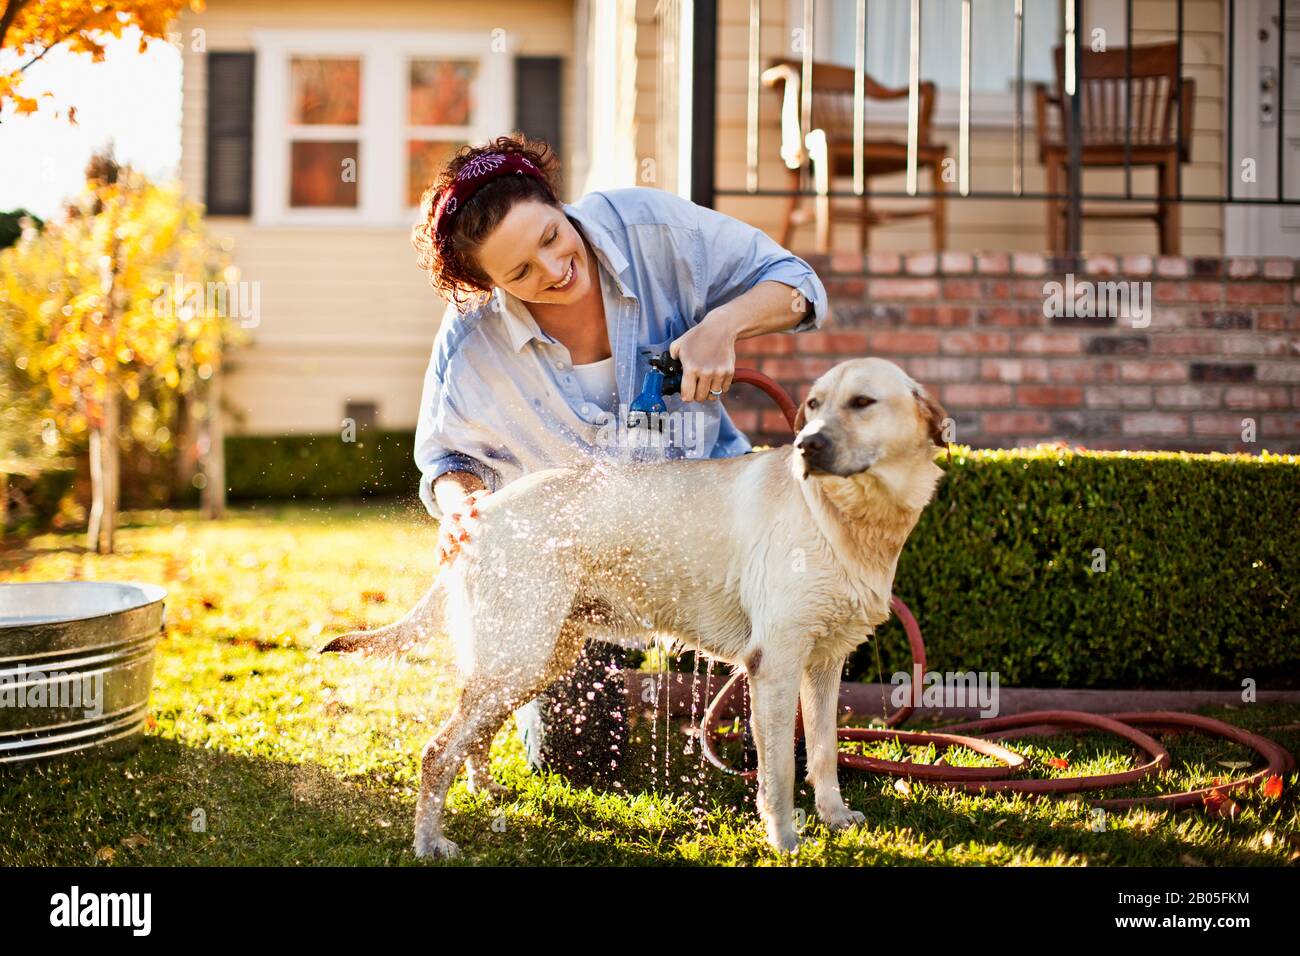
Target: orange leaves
(79, 27)
(1219, 804)
(1060, 763)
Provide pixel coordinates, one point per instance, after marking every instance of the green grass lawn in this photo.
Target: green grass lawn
(260, 752)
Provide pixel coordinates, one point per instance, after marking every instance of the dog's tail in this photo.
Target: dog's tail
(420, 624)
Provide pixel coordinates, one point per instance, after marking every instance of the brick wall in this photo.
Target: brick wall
(1217, 353)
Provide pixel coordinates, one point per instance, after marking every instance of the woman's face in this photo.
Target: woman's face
(535, 253)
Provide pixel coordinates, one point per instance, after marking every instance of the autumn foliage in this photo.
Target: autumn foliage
(29, 29)
(94, 310)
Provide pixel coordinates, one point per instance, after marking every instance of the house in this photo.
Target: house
(310, 129)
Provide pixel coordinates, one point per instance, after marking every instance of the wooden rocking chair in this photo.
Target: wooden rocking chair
(831, 152)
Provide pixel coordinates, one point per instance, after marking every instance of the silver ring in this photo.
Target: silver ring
(715, 392)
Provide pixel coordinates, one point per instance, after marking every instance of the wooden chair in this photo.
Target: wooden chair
(829, 150)
(1155, 97)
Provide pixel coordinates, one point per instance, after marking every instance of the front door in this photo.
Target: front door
(1266, 99)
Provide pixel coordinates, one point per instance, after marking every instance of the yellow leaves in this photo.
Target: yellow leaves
(97, 301)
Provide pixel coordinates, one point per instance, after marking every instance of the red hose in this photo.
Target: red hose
(749, 376)
(976, 779)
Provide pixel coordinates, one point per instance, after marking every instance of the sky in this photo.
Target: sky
(131, 98)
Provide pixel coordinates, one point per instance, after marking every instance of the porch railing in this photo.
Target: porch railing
(703, 15)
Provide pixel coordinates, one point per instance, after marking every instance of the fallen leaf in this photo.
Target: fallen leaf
(1273, 787)
(105, 854)
(1060, 763)
(135, 841)
(1219, 805)
(1234, 764)
(903, 786)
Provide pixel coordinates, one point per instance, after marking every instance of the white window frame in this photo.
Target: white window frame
(382, 134)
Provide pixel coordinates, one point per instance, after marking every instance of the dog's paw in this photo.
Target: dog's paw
(842, 818)
(783, 839)
(436, 848)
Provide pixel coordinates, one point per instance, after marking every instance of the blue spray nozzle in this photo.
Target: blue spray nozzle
(664, 378)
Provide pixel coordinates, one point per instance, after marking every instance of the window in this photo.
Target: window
(352, 126)
(993, 70)
(324, 119)
(440, 108)
(364, 414)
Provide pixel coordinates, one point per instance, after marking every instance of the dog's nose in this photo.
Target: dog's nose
(815, 448)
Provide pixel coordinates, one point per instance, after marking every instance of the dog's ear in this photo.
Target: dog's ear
(933, 414)
(800, 417)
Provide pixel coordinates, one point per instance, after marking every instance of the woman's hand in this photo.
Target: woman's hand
(708, 356)
(458, 494)
(455, 527)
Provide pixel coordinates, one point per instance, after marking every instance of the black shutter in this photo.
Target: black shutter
(229, 183)
(539, 98)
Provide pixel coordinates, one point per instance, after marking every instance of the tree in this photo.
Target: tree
(32, 28)
(11, 225)
(103, 307)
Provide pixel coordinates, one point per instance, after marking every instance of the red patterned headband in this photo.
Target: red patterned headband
(471, 177)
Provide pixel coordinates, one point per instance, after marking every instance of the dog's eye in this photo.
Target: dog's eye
(812, 403)
(861, 401)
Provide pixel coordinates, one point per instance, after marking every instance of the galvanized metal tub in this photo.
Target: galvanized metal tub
(76, 666)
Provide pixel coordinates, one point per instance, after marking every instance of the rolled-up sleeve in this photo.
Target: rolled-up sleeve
(733, 257)
(444, 440)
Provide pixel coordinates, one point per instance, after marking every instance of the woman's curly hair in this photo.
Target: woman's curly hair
(456, 275)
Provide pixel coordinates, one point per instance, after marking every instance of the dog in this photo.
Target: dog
(781, 561)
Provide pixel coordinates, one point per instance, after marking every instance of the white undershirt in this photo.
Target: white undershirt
(597, 382)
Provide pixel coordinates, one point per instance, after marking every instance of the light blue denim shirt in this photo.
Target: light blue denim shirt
(500, 395)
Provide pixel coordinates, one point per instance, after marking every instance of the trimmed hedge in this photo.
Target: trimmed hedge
(1202, 556)
(31, 492)
(321, 466)
(1201, 587)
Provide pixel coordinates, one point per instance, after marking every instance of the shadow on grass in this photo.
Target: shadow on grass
(141, 810)
(167, 804)
(16, 552)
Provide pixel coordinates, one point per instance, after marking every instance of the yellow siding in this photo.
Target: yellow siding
(345, 314)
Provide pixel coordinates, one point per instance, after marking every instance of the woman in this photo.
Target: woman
(553, 312)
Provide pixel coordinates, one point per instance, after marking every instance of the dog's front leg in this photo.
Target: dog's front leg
(774, 687)
(820, 694)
